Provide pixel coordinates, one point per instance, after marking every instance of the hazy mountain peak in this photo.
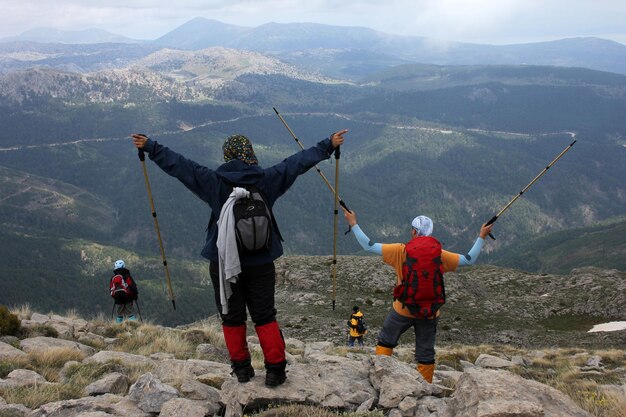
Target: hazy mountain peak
(84, 36)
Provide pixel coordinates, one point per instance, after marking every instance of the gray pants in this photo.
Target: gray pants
(425, 331)
(127, 309)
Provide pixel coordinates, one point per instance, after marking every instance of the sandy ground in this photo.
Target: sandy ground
(609, 327)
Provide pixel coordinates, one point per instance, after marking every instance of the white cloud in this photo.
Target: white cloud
(495, 21)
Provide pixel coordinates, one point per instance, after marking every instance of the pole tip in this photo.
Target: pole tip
(174, 304)
(275, 110)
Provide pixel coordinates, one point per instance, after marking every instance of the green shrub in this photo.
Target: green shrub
(9, 323)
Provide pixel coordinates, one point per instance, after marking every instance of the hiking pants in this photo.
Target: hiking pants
(126, 309)
(425, 331)
(358, 339)
(254, 289)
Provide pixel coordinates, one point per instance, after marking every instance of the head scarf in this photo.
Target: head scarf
(423, 225)
(239, 147)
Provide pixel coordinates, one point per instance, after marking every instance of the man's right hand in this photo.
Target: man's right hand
(337, 138)
(139, 140)
(350, 216)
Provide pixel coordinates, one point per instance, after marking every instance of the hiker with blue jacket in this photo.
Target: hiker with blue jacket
(252, 287)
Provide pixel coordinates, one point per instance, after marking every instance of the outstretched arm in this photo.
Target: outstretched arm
(472, 256)
(360, 236)
(197, 178)
(283, 175)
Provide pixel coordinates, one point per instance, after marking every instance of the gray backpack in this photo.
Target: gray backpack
(253, 223)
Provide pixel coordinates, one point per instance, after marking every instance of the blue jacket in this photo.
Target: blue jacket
(214, 186)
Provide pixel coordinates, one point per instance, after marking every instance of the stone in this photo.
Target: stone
(212, 353)
(366, 405)
(8, 352)
(127, 359)
(196, 390)
(91, 339)
(14, 410)
(182, 407)
(22, 378)
(396, 380)
(113, 383)
(109, 404)
(407, 406)
(63, 373)
(39, 318)
(494, 393)
(41, 343)
(490, 361)
(150, 393)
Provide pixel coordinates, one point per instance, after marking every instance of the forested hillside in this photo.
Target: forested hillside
(457, 149)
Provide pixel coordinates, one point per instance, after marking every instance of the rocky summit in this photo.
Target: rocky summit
(60, 366)
(484, 304)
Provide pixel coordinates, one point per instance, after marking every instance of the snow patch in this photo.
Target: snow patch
(609, 327)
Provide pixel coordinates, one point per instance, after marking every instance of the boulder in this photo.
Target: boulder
(14, 410)
(113, 383)
(150, 394)
(396, 380)
(91, 339)
(211, 352)
(22, 378)
(495, 393)
(109, 404)
(37, 318)
(490, 361)
(41, 343)
(182, 407)
(208, 372)
(127, 359)
(8, 352)
(196, 390)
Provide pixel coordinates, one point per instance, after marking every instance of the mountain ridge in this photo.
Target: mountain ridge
(283, 39)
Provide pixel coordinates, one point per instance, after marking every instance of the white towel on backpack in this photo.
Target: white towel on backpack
(227, 253)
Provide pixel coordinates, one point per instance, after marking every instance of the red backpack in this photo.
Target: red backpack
(121, 289)
(422, 290)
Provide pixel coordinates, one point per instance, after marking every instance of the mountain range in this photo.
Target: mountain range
(347, 52)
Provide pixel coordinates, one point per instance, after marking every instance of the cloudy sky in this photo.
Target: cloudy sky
(481, 21)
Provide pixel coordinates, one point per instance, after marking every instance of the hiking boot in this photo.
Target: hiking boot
(132, 318)
(275, 374)
(242, 370)
(119, 319)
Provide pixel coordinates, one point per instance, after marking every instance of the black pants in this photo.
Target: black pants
(254, 289)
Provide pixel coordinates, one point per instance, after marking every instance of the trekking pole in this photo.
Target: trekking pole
(341, 202)
(142, 158)
(505, 208)
(138, 309)
(336, 198)
(113, 310)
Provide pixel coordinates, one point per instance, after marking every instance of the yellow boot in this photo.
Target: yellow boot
(427, 371)
(382, 350)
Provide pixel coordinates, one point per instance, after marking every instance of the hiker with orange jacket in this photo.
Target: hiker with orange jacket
(420, 292)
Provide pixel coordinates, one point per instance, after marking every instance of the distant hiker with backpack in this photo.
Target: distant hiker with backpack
(356, 326)
(420, 292)
(123, 289)
(242, 265)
